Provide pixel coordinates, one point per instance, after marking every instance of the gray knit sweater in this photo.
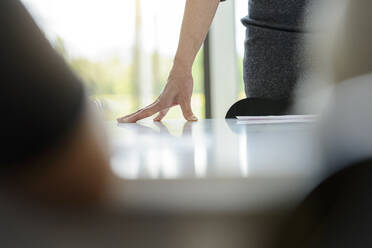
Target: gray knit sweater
(273, 47)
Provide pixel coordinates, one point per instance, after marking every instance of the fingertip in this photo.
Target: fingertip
(192, 118)
(124, 120)
(159, 118)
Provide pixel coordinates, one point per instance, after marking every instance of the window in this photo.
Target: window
(241, 10)
(226, 45)
(122, 49)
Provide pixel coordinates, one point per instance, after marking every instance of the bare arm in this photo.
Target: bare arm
(197, 19)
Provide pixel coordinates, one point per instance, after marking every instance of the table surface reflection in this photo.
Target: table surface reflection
(213, 164)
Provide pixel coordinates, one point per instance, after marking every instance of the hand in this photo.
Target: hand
(178, 91)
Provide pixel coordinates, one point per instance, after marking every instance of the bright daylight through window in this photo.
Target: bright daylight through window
(123, 49)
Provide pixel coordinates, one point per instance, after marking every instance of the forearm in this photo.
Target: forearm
(197, 19)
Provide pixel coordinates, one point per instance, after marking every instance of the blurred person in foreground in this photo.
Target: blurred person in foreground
(52, 157)
(50, 149)
(338, 212)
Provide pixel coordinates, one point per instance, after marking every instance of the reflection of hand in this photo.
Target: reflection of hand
(178, 91)
(186, 129)
(159, 128)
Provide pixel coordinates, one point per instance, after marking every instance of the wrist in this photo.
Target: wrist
(180, 74)
(182, 66)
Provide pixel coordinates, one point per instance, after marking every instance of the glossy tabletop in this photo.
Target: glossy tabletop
(213, 164)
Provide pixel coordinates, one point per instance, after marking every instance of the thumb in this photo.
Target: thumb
(187, 111)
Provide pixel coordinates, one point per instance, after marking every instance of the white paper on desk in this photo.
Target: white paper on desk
(275, 119)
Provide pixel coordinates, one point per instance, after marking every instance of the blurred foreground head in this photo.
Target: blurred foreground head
(50, 149)
(352, 51)
(339, 84)
(338, 48)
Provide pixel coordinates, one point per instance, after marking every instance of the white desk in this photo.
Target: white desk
(213, 166)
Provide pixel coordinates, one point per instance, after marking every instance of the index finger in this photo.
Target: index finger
(142, 113)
